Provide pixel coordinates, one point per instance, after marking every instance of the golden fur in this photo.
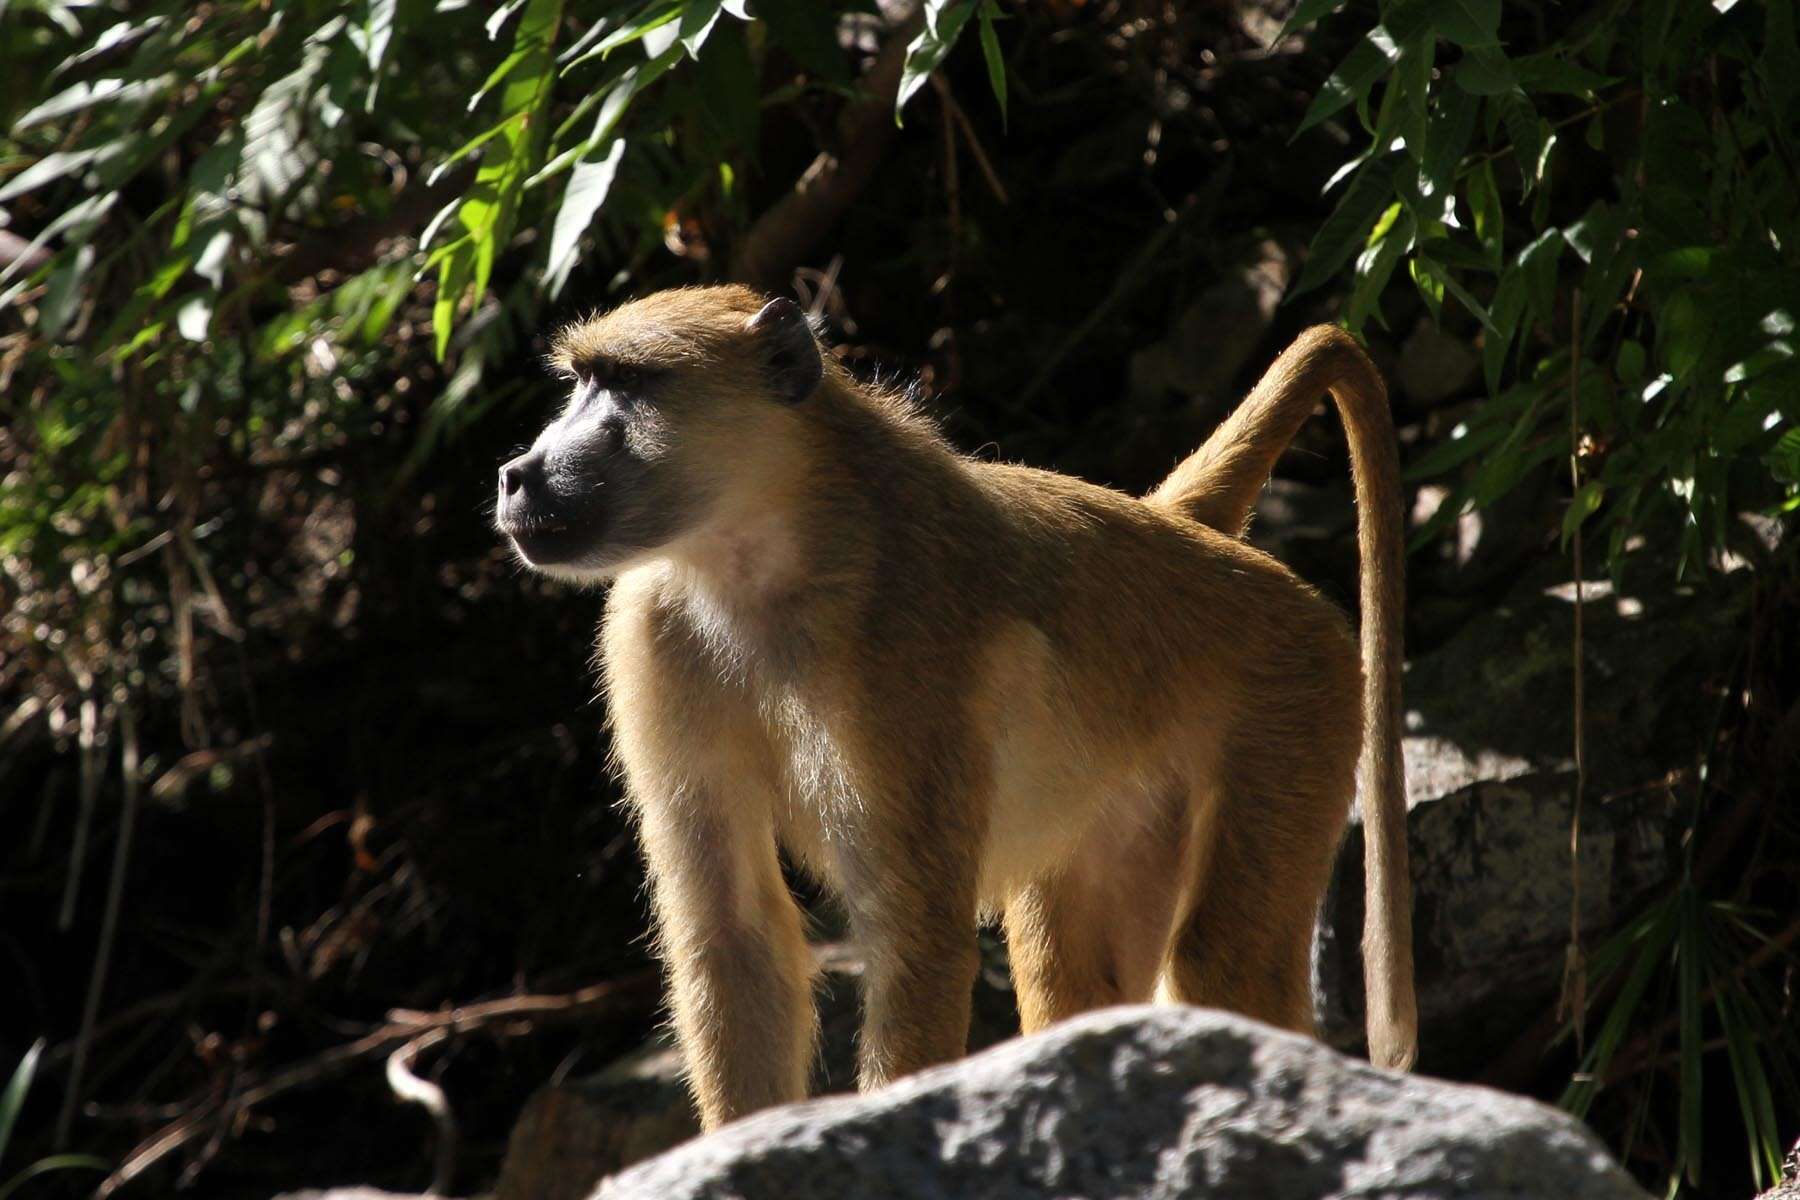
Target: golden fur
(952, 688)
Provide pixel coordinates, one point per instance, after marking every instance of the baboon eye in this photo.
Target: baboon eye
(614, 376)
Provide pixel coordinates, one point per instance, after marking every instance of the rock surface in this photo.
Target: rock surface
(1147, 1102)
(1491, 785)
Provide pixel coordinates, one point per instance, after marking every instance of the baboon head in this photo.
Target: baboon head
(679, 403)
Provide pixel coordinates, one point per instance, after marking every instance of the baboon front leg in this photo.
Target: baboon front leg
(740, 973)
(909, 882)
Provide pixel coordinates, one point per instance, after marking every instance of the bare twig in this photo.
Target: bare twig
(89, 740)
(961, 118)
(508, 1017)
(1573, 1004)
(429, 1096)
(109, 924)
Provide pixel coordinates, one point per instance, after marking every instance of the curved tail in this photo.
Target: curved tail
(1217, 486)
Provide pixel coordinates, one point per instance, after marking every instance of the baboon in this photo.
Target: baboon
(955, 690)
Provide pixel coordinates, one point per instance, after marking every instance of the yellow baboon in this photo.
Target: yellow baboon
(955, 689)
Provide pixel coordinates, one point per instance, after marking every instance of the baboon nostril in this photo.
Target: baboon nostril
(521, 475)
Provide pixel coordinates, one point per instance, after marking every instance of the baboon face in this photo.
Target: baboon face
(674, 401)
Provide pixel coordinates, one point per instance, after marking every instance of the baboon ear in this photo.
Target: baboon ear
(790, 353)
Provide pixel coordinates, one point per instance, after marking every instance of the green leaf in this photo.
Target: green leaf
(1463, 297)
(1553, 71)
(55, 165)
(1507, 308)
(1464, 443)
(697, 20)
(13, 1098)
(122, 93)
(1429, 277)
(1772, 355)
(1537, 263)
(1305, 13)
(376, 34)
(1412, 81)
(54, 1162)
(808, 32)
(489, 208)
(1489, 218)
(990, 50)
(1486, 72)
(588, 185)
(1584, 504)
(1447, 137)
(86, 212)
(1468, 23)
(727, 82)
(1629, 363)
(944, 22)
(1367, 62)
(1783, 457)
(647, 20)
(612, 109)
(62, 295)
(469, 147)
(1391, 238)
(1349, 225)
(1650, 937)
(453, 275)
(1688, 961)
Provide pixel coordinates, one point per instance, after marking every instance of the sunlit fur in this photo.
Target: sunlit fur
(951, 688)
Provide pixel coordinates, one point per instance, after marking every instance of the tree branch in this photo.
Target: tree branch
(784, 235)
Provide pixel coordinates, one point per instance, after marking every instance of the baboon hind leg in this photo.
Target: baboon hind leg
(1262, 862)
(1093, 932)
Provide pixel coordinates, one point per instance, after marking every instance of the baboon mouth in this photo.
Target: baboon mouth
(545, 541)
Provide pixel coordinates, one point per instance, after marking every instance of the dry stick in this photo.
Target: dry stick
(968, 131)
(1574, 989)
(952, 180)
(109, 924)
(404, 1025)
(429, 1096)
(89, 741)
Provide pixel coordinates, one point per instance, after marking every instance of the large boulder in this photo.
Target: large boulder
(1147, 1102)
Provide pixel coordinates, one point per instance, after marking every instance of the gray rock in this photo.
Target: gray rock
(1147, 1102)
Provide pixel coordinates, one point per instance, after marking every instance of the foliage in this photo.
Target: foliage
(1613, 204)
(12, 1099)
(272, 255)
(1690, 953)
